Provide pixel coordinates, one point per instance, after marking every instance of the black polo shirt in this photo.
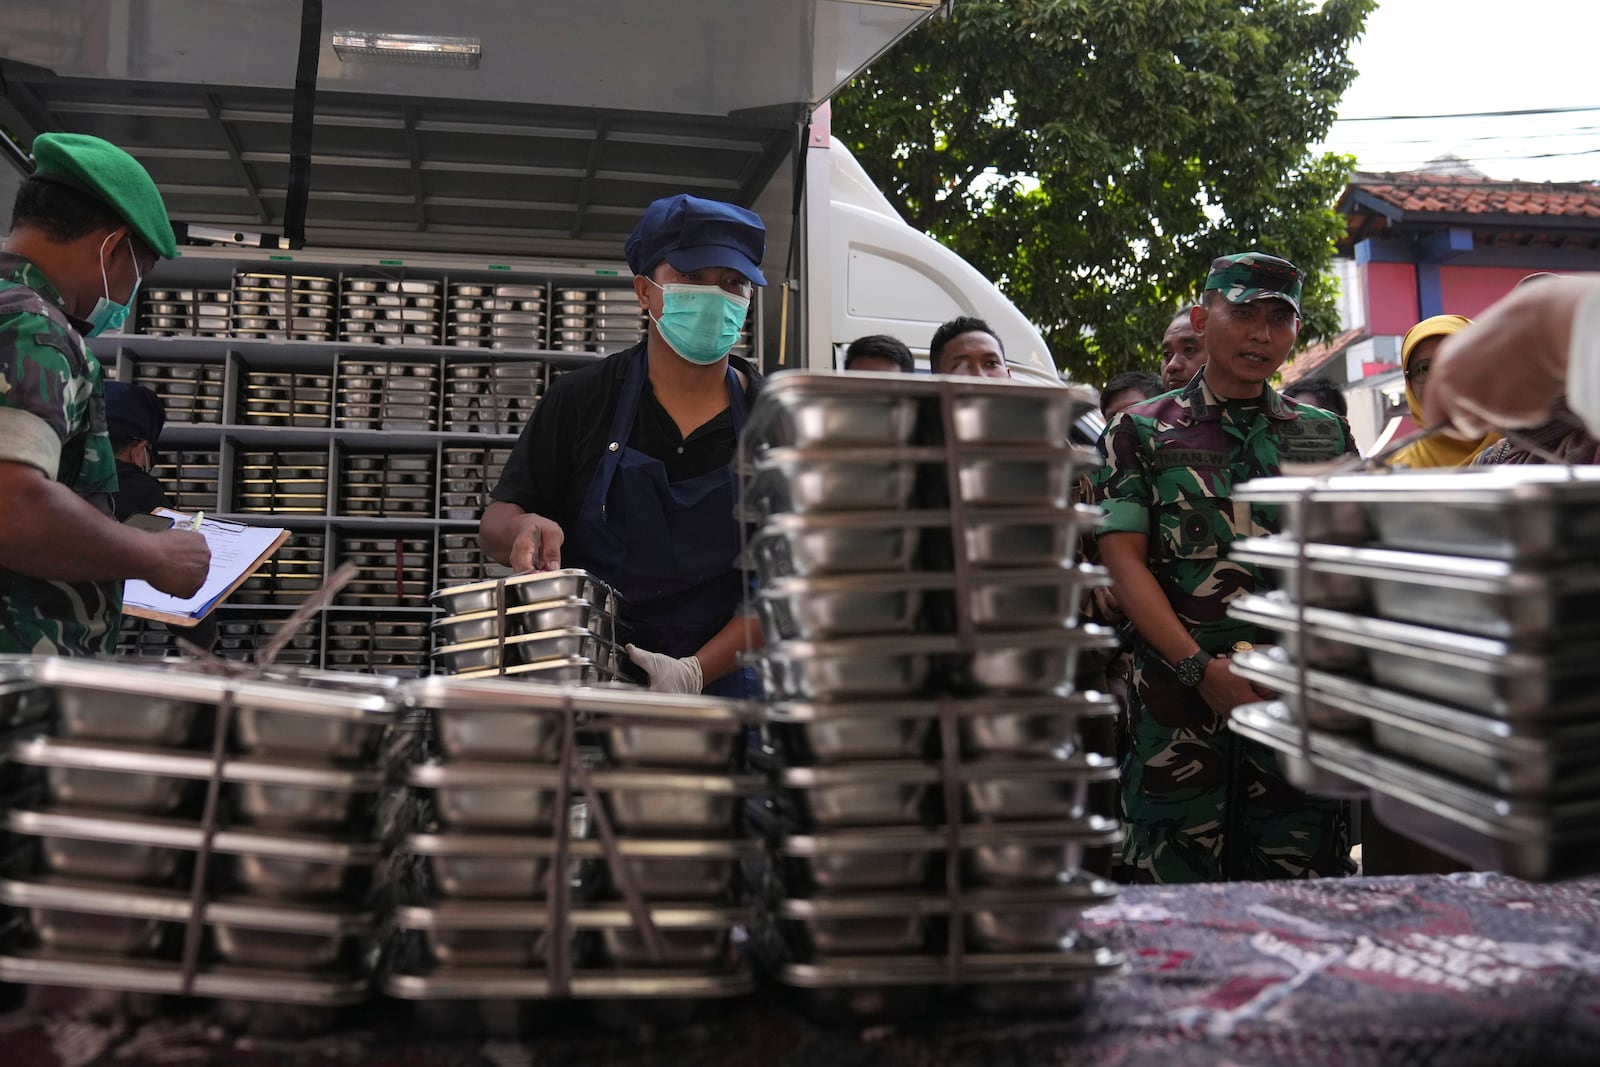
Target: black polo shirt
(555, 459)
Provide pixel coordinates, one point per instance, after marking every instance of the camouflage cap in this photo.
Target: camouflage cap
(1246, 276)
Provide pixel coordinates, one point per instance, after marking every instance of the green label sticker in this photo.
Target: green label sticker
(285, 259)
(498, 266)
(391, 262)
(607, 273)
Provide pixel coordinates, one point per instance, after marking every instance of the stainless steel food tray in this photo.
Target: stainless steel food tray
(518, 649)
(1530, 514)
(527, 984)
(1518, 758)
(518, 721)
(909, 857)
(1272, 725)
(306, 713)
(1043, 919)
(31, 966)
(253, 933)
(818, 609)
(564, 613)
(522, 589)
(1488, 597)
(479, 934)
(146, 851)
(844, 543)
(1524, 839)
(1475, 673)
(1271, 669)
(513, 797)
(794, 416)
(1081, 964)
(865, 668)
(280, 794)
(902, 793)
(503, 866)
(1048, 725)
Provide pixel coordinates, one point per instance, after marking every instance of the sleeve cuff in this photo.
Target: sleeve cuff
(26, 438)
(1583, 361)
(1125, 516)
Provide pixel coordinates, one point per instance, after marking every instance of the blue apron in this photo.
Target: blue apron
(670, 549)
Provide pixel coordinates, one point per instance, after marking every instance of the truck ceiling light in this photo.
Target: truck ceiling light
(409, 49)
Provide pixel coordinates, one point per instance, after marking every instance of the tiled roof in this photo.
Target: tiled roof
(1439, 194)
(1319, 354)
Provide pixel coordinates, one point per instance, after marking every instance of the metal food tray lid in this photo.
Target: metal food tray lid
(493, 915)
(170, 763)
(1080, 766)
(128, 974)
(515, 846)
(1088, 830)
(1070, 574)
(1518, 484)
(784, 459)
(522, 776)
(318, 693)
(173, 905)
(796, 522)
(1078, 703)
(186, 835)
(444, 693)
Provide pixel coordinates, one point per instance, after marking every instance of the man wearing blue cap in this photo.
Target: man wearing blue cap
(625, 468)
(89, 223)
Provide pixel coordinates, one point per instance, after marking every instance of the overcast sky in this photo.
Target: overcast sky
(1430, 57)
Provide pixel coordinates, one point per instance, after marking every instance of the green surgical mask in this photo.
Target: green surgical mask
(107, 313)
(700, 322)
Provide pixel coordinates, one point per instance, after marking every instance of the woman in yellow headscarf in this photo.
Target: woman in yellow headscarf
(1416, 361)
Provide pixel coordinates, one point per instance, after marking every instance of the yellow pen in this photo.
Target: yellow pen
(199, 517)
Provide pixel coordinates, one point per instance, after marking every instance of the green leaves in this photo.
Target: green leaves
(1093, 156)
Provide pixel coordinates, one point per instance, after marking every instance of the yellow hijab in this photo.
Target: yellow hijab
(1441, 450)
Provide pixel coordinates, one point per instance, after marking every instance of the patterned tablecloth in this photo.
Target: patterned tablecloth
(1457, 970)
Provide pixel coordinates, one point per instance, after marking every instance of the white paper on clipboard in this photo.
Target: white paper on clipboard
(236, 551)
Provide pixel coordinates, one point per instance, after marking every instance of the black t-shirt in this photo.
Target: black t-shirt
(555, 459)
(138, 493)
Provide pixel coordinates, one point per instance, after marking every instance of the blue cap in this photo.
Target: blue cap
(134, 411)
(693, 234)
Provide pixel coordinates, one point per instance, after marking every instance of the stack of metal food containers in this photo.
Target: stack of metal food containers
(549, 626)
(518, 891)
(482, 315)
(1437, 636)
(390, 311)
(914, 541)
(109, 856)
(278, 307)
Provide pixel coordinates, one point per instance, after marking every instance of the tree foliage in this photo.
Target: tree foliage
(1093, 156)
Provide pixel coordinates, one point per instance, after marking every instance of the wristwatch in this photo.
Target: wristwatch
(1191, 671)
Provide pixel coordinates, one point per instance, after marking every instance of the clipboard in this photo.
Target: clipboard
(237, 552)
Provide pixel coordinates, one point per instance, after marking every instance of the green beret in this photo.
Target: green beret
(107, 173)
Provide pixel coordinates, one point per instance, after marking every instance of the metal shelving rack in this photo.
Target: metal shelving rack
(272, 392)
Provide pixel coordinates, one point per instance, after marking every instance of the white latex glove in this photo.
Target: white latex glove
(668, 675)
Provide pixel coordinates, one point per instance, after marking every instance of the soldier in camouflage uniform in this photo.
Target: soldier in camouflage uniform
(87, 225)
(1202, 804)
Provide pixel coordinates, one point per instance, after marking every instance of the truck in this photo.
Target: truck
(357, 152)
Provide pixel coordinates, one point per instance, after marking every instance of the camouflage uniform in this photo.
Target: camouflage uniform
(1189, 784)
(52, 416)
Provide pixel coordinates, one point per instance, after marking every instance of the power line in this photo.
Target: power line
(1473, 114)
(1492, 159)
(1577, 131)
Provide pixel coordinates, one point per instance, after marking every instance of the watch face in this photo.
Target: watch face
(1190, 671)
